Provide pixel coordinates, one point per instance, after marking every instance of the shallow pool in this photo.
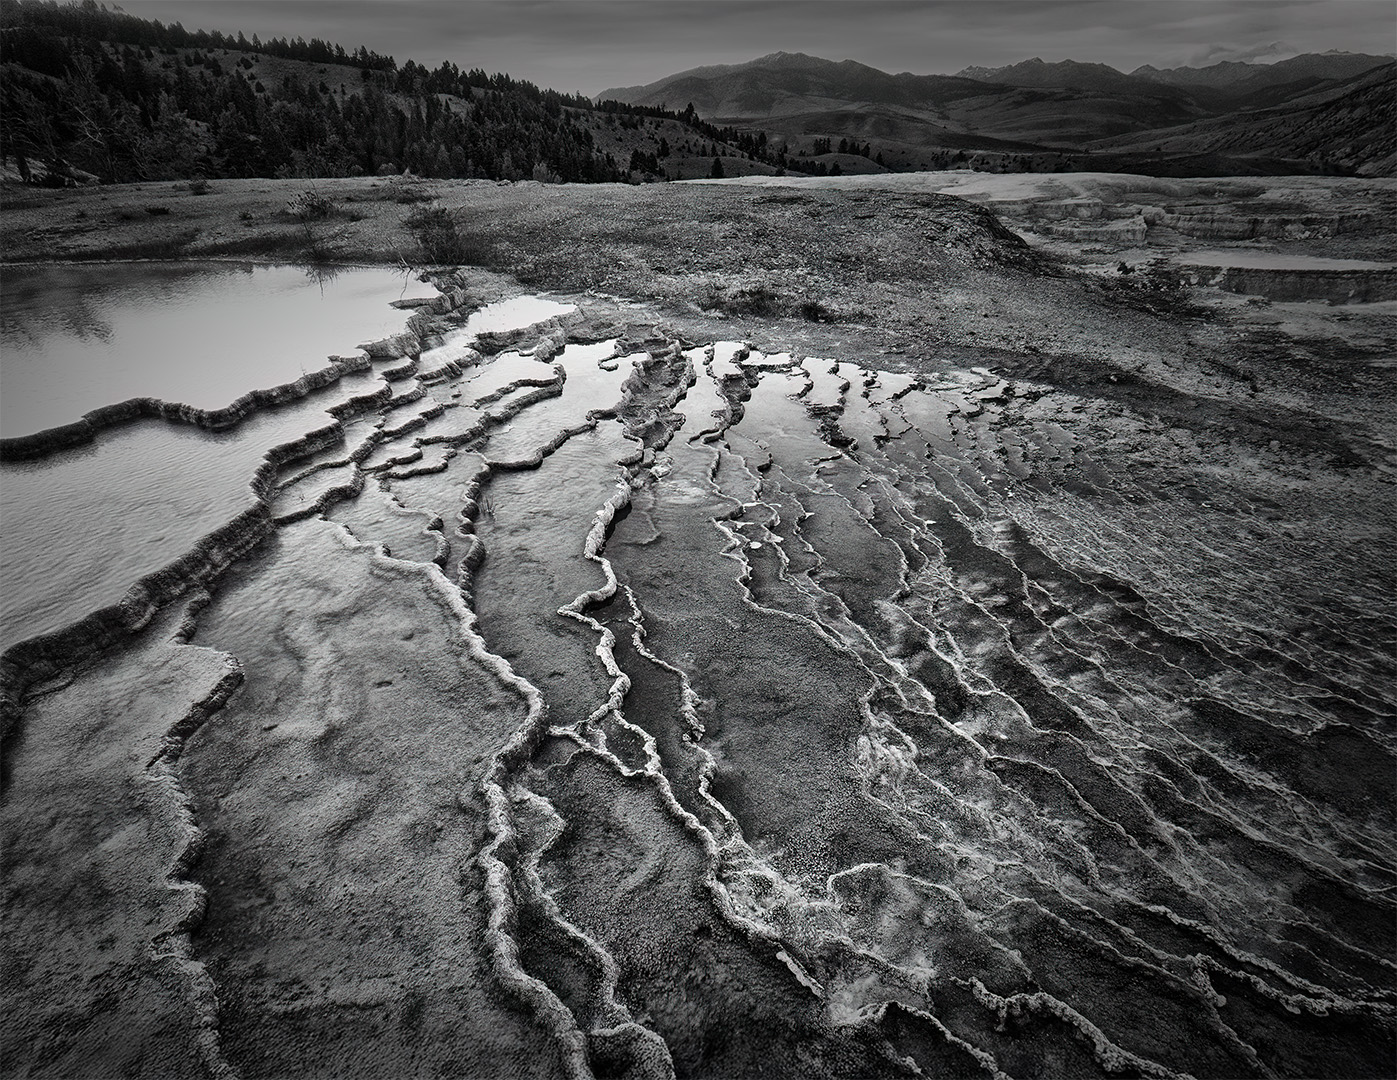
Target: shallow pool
(76, 337)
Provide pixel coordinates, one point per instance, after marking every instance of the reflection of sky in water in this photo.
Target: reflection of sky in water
(77, 528)
(76, 337)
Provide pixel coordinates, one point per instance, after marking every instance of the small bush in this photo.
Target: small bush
(309, 205)
(439, 237)
(764, 301)
(753, 300)
(198, 186)
(411, 194)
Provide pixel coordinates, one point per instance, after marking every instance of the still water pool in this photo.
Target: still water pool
(80, 526)
(76, 337)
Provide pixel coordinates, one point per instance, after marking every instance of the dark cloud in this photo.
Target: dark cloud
(592, 44)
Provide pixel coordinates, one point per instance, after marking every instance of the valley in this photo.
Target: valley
(1329, 113)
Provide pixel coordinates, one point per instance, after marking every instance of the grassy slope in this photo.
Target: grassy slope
(1356, 129)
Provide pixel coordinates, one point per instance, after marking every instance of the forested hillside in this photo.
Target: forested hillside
(87, 92)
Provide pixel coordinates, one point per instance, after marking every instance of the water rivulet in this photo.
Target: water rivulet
(639, 708)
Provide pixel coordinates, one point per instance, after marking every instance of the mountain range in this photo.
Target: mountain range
(1315, 112)
(92, 93)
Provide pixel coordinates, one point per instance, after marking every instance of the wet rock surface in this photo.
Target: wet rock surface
(611, 694)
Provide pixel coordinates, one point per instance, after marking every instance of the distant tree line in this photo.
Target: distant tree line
(33, 19)
(86, 89)
(126, 99)
(824, 145)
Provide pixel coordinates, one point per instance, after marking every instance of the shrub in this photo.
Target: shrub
(757, 300)
(410, 192)
(753, 300)
(309, 205)
(439, 237)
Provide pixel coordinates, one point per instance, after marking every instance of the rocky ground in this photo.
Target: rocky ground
(858, 270)
(861, 639)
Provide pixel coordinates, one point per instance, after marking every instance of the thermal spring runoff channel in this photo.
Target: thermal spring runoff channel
(526, 695)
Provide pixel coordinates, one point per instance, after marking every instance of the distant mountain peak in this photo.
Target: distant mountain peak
(801, 60)
(1037, 72)
(1231, 75)
(787, 59)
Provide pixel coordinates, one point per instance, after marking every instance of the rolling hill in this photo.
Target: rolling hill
(1042, 116)
(1350, 127)
(1245, 78)
(799, 98)
(90, 94)
(790, 84)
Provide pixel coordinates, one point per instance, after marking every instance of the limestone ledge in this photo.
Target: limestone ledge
(424, 321)
(40, 659)
(1334, 285)
(49, 656)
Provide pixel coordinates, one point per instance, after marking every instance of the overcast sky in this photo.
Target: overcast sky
(589, 45)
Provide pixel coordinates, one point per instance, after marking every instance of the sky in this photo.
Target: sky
(591, 45)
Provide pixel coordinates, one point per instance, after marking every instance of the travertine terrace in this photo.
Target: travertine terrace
(875, 647)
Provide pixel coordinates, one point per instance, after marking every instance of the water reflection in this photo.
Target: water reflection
(77, 337)
(79, 527)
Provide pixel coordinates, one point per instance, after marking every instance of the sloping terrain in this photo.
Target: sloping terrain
(1243, 79)
(782, 83)
(896, 131)
(1027, 116)
(780, 91)
(1351, 128)
(1069, 118)
(90, 94)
